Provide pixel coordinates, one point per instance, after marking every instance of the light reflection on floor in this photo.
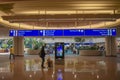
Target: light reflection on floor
(74, 68)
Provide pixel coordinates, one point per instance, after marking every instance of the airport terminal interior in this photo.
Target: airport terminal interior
(80, 39)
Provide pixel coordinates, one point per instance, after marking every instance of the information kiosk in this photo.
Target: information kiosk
(59, 53)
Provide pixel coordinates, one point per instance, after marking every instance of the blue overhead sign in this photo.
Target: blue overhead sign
(74, 32)
(53, 33)
(66, 32)
(29, 33)
(112, 32)
(40, 32)
(96, 32)
(100, 32)
(13, 33)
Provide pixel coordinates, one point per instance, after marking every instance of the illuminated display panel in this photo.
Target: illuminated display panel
(66, 32)
(100, 32)
(74, 32)
(13, 33)
(30, 33)
(53, 33)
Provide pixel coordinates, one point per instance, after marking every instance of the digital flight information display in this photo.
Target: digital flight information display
(74, 32)
(65, 32)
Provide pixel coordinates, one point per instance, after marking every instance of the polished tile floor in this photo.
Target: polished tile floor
(74, 68)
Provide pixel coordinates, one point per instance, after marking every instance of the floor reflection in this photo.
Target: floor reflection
(76, 68)
(32, 65)
(4, 67)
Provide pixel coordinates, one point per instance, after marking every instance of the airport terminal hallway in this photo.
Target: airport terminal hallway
(74, 68)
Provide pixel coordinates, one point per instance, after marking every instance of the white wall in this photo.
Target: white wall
(95, 40)
(59, 39)
(71, 40)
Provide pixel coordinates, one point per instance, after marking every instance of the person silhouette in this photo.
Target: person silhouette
(12, 53)
(42, 55)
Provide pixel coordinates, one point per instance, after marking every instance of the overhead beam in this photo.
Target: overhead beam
(58, 20)
(61, 16)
